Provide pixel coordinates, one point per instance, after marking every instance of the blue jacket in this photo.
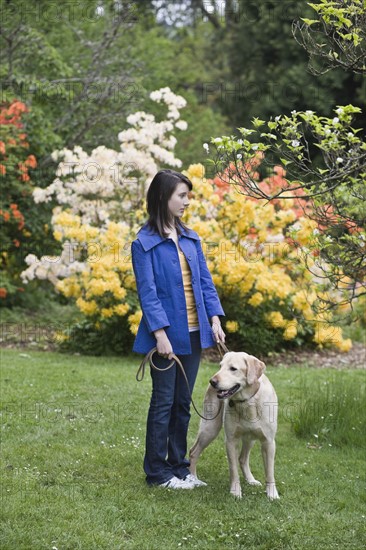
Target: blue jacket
(161, 293)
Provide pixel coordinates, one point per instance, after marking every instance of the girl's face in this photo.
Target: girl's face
(179, 200)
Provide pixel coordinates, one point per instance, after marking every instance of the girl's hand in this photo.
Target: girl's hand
(219, 334)
(163, 344)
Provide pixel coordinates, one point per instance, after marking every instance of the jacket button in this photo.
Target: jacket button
(189, 257)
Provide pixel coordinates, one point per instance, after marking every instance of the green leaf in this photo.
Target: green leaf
(285, 162)
(257, 122)
(309, 21)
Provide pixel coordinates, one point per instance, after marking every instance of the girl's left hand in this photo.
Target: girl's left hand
(219, 334)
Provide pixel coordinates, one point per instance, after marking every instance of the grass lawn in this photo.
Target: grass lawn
(73, 432)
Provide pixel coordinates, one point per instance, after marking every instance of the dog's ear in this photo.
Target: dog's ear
(255, 370)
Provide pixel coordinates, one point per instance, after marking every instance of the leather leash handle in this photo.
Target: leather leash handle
(148, 359)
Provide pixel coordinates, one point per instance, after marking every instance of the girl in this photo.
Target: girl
(181, 309)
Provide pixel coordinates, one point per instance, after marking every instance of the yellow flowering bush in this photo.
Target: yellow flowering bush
(104, 288)
(267, 293)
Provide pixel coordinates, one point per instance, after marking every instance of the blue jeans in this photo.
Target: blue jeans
(169, 415)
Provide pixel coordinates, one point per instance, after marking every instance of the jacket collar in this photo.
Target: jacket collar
(149, 238)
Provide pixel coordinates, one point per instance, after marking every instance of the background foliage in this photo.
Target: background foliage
(81, 68)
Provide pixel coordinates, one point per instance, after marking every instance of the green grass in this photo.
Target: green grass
(332, 411)
(72, 446)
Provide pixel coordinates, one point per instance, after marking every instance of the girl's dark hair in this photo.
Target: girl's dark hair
(161, 189)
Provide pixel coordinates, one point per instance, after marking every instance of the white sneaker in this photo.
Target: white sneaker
(176, 483)
(194, 479)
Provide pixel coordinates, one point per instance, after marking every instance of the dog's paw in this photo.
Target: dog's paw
(271, 491)
(235, 490)
(254, 482)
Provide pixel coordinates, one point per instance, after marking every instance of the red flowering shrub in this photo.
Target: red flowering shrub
(15, 163)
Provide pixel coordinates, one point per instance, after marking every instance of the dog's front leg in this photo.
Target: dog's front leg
(268, 454)
(208, 429)
(244, 462)
(232, 456)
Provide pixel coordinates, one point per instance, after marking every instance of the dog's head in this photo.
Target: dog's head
(238, 371)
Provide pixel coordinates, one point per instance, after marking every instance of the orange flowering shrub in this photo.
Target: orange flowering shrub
(15, 165)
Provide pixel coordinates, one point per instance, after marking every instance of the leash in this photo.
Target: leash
(148, 359)
(222, 348)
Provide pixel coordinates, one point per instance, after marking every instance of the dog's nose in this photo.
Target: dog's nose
(214, 382)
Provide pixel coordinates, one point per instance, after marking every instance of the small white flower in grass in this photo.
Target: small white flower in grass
(339, 160)
(295, 143)
(254, 147)
(239, 156)
(206, 147)
(277, 118)
(339, 111)
(316, 436)
(294, 112)
(240, 141)
(309, 112)
(335, 120)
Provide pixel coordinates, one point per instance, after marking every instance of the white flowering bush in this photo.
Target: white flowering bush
(99, 207)
(93, 190)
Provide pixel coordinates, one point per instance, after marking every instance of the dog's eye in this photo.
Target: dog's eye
(233, 368)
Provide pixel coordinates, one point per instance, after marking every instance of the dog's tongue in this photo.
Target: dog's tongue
(223, 393)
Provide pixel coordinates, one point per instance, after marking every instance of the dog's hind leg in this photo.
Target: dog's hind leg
(209, 429)
(268, 454)
(244, 461)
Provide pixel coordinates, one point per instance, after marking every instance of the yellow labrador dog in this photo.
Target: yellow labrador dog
(248, 404)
